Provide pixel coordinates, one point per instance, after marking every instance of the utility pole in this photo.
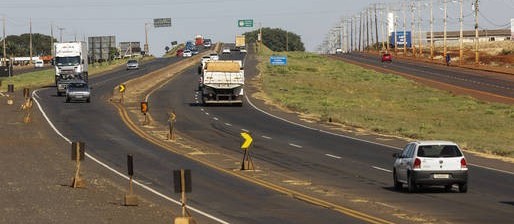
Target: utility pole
(461, 38)
(477, 57)
(52, 39)
(3, 40)
(60, 34)
(360, 31)
(376, 29)
(351, 34)
(419, 28)
(367, 28)
(431, 29)
(146, 39)
(445, 25)
(404, 7)
(395, 34)
(30, 41)
(412, 36)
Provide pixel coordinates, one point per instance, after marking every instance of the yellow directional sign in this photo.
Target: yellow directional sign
(122, 88)
(248, 140)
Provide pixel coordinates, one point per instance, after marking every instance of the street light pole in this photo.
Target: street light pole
(5, 58)
(477, 58)
(461, 50)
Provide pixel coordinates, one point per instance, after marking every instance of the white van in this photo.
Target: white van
(39, 64)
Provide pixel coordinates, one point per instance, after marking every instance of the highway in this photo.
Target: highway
(226, 198)
(477, 82)
(348, 169)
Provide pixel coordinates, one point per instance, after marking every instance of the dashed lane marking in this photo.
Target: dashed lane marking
(382, 169)
(333, 156)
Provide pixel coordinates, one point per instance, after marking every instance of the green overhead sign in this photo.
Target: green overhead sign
(245, 23)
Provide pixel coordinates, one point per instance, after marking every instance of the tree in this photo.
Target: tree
(19, 46)
(276, 39)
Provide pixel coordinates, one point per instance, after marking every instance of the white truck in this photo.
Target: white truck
(222, 82)
(71, 63)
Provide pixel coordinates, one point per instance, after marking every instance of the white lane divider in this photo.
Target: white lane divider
(333, 156)
(245, 130)
(296, 146)
(215, 118)
(35, 97)
(266, 137)
(382, 169)
(228, 124)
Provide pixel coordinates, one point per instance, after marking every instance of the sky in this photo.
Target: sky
(215, 19)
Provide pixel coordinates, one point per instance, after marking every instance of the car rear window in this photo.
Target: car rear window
(436, 151)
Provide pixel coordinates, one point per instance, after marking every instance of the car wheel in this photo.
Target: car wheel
(411, 184)
(463, 188)
(397, 185)
(88, 100)
(67, 99)
(448, 187)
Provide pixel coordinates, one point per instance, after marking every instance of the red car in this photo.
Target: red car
(387, 57)
(180, 52)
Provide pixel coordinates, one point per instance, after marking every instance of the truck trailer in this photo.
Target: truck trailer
(222, 82)
(71, 63)
(240, 42)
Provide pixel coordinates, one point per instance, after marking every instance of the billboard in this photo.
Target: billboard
(100, 46)
(390, 22)
(401, 39)
(162, 22)
(128, 49)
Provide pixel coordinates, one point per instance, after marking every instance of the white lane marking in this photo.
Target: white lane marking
(266, 137)
(333, 156)
(352, 138)
(117, 172)
(206, 113)
(245, 130)
(378, 168)
(493, 169)
(228, 124)
(202, 109)
(2, 94)
(297, 146)
(215, 118)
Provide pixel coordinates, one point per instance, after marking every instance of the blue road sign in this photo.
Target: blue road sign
(278, 60)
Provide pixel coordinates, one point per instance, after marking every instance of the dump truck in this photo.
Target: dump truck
(71, 64)
(198, 40)
(222, 82)
(240, 42)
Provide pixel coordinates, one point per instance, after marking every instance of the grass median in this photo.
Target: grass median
(333, 91)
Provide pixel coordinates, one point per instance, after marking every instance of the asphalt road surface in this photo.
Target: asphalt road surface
(223, 196)
(345, 164)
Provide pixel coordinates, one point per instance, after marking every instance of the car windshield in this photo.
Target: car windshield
(77, 86)
(67, 60)
(436, 151)
(132, 62)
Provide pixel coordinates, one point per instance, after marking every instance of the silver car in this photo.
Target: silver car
(132, 64)
(78, 91)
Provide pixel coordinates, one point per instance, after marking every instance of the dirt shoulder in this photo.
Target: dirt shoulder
(36, 173)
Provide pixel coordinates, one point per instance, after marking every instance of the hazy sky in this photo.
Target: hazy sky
(215, 19)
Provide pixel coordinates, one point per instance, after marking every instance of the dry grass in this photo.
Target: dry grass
(386, 104)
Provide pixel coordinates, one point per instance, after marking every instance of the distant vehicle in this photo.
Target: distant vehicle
(71, 63)
(132, 64)
(187, 54)
(214, 56)
(222, 82)
(78, 90)
(387, 57)
(199, 40)
(339, 51)
(225, 51)
(240, 41)
(430, 163)
(39, 64)
(194, 50)
(243, 51)
(179, 52)
(207, 43)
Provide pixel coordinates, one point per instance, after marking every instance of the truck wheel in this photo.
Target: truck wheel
(67, 99)
(463, 188)
(88, 100)
(59, 93)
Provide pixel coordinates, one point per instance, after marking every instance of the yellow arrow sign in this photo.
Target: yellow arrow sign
(122, 88)
(248, 140)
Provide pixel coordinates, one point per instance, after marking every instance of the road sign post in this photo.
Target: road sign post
(247, 163)
(171, 123)
(130, 198)
(278, 60)
(144, 110)
(183, 184)
(122, 89)
(78, 150)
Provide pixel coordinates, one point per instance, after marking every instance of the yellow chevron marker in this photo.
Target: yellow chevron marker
(248, 140)
(122, 88)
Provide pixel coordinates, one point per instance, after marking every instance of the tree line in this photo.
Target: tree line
(19, 45)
